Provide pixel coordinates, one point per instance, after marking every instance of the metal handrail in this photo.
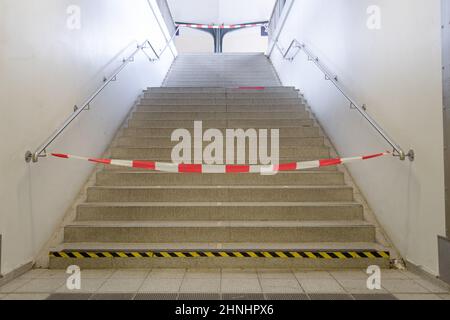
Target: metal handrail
(397, 150)
(294, 44)
(168, 44)
(42, 150)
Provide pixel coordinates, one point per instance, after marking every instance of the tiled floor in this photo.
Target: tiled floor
(226, 283)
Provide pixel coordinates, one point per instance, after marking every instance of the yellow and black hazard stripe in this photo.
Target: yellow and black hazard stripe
(224, 254)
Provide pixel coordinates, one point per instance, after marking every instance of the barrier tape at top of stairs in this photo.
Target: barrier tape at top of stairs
(223, 26)
(201, 168)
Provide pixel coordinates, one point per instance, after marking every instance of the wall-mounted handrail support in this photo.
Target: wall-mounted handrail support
(397, 150)
(42, 150)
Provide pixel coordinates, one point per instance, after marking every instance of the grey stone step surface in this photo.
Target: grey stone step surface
(219, 231)
(129, 178)
(238, 101)
(161, 132)
(137, 210)
(221, 108)
(135, 153)
(227, 95)
(232, 124)
(143, 115)
(219, 90)
(148, 142)
(220, 193)
(180, 211)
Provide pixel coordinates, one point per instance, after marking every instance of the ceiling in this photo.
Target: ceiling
(221, 11)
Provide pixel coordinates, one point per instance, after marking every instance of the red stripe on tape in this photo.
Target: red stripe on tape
(60, 155)
(285, 167)
(144, 165)
(103, 161)
(373, 156)
(237, 169)
(330, 162)
(190, 168)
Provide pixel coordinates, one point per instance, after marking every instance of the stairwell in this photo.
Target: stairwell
(134, 218)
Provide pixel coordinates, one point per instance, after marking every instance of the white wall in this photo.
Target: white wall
(45, 70)
(218, 12)
(396, 71)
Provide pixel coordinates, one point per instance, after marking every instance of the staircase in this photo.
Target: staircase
(137, 219)
(226, 70)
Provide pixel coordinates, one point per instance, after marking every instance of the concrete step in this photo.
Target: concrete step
(234, 84)
(127, 178)
(219, 90)
(231, 124)
(158, 115)
(146, 142)
(296, 132)
(135, 153)
(220, 193)
(208, 101)
(285, 153)
(225, 95)
(221, 108)
(307, 263)
(250, 211)
(219, 231)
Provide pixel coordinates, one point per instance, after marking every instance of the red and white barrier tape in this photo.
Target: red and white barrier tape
(201, 168)
(229, 26)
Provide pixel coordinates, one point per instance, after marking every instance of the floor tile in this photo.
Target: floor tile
(393, 274)
(203, 274)
(87, 286)
(321, 286)
(276, 274)
(41, 286)
(349, 274)
(167, 273)
(280, 286)
(52, 274)
(200, 285)
(312, 275)
(130, 274)
(96, 274)
(26, 296)
(33, 273)
(240, 285)
(121, 285)
(13, 285)
(161, 285)
(432, 287)
(444, 296)
(358, 286)
(239, 274)
(403, 286)
(416, 296)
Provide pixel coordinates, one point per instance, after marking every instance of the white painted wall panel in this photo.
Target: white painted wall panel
(45, 69)
(396, 71)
